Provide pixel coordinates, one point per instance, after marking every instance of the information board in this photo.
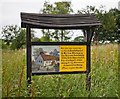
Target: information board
(59, 58)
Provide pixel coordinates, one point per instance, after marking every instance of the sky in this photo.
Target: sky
(10, 9)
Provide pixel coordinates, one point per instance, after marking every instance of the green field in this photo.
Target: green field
(104, 82)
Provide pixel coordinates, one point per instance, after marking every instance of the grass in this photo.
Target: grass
(0, 73)
(104, 72)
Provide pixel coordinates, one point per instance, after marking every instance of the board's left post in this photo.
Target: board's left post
(28, 58)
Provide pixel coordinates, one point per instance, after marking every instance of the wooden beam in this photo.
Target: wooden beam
(28, 51)
(88, 76)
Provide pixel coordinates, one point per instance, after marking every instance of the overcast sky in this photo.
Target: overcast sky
(10, 9)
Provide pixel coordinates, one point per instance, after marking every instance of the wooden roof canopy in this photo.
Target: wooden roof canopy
(58, 21)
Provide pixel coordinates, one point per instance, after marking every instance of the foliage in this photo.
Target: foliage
(108, 30)
(45, 39)
(79, 39)
(14, 37)
(19, 41)
(104, 77)
(117, 13)
(62, 7)
(3, 45)
(9, 33)
(35, 39)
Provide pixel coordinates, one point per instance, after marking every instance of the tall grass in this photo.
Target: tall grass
(0, 73)
(13, 76)
(104, 72)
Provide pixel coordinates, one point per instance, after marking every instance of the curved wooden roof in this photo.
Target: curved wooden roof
(58, 21)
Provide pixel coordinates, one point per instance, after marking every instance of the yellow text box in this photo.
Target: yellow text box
(72, 58)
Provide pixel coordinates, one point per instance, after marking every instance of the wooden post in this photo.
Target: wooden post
(90, 33)
(85, 35)
(28, 51)
(88, 76)
(61, 35)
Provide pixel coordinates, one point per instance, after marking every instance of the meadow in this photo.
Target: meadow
(104, 73)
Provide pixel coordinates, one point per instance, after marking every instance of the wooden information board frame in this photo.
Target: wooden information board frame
(63, 44)
(63, 22)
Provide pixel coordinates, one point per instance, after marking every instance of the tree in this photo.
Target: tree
(62, 7)
(79, 39)
(116, 13)
(87, 10)
(57, 8)
(118, 28)
(14, 36)
(3, 45)
(107, 31)
(19, 41)
(45, 39)
(9, 33)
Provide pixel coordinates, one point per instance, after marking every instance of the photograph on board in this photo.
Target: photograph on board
(45, 58)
